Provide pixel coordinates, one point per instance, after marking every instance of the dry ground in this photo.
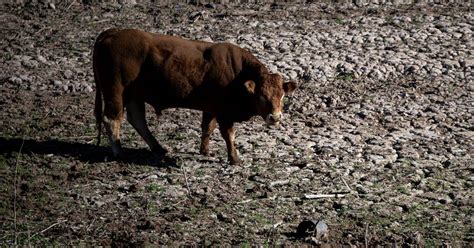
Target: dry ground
(399, 149)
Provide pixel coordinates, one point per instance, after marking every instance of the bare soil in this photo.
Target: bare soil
(395, 154)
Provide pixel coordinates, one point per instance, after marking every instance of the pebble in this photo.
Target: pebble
(292, 75)
(88, 89)
(29, 64)
(68, 74)
(57, 83)
(15, 80)
(42, 59)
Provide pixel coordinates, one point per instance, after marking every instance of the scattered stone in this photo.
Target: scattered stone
(42, 59)
(15, 80)
(68, 74)
(57, 83)
(279, 183)
(318, 229)
(367, 83)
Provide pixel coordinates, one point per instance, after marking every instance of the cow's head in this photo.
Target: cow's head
(268, 92)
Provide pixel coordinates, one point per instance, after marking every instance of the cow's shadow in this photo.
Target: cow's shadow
(88, 153)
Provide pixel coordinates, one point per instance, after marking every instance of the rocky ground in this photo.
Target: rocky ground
(382, 123)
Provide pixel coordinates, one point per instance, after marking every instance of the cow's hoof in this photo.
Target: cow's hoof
(204, 151)
(234, 161)
(119, 156)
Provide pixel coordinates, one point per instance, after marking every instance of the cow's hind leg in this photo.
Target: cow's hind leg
(136, 117)
(113, 116)
(207, 126)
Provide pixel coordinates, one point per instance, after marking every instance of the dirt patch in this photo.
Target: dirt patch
(382, 122)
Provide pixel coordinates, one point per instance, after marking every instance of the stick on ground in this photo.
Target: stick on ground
(14, 190)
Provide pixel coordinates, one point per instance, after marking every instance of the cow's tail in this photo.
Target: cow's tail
(98, 108)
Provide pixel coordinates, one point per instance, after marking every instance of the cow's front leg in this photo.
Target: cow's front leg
(228, 133)
(207, 126)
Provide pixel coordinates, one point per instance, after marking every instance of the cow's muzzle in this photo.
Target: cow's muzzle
(274, 118)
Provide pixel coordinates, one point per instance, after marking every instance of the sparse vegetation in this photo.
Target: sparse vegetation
(345, 76)
(405, 172)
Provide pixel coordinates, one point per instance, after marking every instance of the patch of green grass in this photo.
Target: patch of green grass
(90, 129)
(389, 19)
(179, 136)
(403, 190)
(414, 208)
(3, 163)
(7, 56)
(260, 219)
(348, 77)
(266, 244)
(405, 161)
(339, 21)
(200, 173)
(178, 227)
(245, 244)
(26, 236)
(377, 185)
(369, 97)
(432, 185)
(153, 188)
(382, 221)
(152, 208)
(194, 212)
(430, 242)
(4, 208)
(450, 88)
(21, 170)
(41, 199)
(255, 169)
(413, 221)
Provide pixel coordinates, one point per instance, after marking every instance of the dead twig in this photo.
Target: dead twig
(46, 229)
(366, 235)
(14, 190)
(347, 185)
(42, 29)
(245, 201)
(179, 203)
(29, 235)
(186, 180)
(460, 168)
(318, 196)
(69, 6)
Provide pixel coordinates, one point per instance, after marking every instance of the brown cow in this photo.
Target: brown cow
(226, 82)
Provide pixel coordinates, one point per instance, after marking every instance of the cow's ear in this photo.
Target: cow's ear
(250, 86)
(289, 87)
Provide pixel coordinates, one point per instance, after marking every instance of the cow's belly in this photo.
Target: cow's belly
(162, 98)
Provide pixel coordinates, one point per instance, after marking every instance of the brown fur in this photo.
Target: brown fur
(227, 83)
